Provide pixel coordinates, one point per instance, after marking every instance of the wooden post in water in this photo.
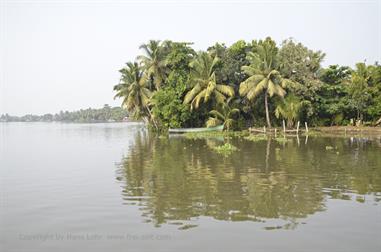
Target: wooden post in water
(305, 124)
(264, 129)
(284, 127)
(297, 128)
(275, 132)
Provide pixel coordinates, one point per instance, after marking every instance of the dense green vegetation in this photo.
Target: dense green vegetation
(249, 83)
(105, 114)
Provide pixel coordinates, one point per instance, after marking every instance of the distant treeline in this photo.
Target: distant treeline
(105, 114)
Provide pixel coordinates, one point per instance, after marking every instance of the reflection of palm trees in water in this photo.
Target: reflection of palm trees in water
(179, 178)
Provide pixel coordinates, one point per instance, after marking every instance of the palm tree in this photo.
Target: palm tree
(289, 109)
(224, 115)
(154, 62)
(204, 84)
(133, 89)
(263, 78)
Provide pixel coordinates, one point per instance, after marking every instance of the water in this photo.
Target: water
(114, 187)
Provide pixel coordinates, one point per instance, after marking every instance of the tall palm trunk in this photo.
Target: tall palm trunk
(267, 112)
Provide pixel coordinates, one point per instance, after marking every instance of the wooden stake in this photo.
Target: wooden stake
(297, 128)
(284, 127)
(305, 123)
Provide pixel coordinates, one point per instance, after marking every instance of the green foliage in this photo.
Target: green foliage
(256, 138)
(203, 83)
(133, 89)
(263, 79)
(289, 109)
(180, 54)
(169, 109)
(282, 140)
(154, 62)
(225, 115)
(303, 67)
(359, 91)
(232, 59)
(216, 134)
(173, 86)
(225, 149)
(299, 63)
(331, 100)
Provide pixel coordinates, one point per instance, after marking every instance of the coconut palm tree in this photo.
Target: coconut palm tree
(154, 62)
(264, 79)
(289, 109)
(133, 89)
(204, 84)
(223, 115)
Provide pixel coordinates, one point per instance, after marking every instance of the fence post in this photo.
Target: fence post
(297, 128)
(284, 127)
(305, 123)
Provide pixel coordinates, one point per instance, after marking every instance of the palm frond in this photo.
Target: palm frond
(217, 114)
(212, 122)
(225, 89)
(191, 94)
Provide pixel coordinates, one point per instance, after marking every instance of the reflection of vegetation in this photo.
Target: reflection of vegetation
(256, 138)
(176, 179)
(282, 139)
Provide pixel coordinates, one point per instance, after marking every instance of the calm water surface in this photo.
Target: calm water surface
(114, 187)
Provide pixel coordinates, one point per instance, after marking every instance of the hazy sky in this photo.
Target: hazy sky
(65, 55)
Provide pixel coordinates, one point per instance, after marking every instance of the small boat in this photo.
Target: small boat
(193, 130)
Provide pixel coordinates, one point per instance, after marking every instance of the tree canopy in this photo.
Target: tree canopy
(172, 85)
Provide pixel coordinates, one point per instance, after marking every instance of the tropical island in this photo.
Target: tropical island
(255, 83)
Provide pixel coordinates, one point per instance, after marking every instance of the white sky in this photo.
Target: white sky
(65, 55)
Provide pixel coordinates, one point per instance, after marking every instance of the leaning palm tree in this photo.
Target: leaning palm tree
(204, 84)
(263, 78)
(133, 89)
(154, 62)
